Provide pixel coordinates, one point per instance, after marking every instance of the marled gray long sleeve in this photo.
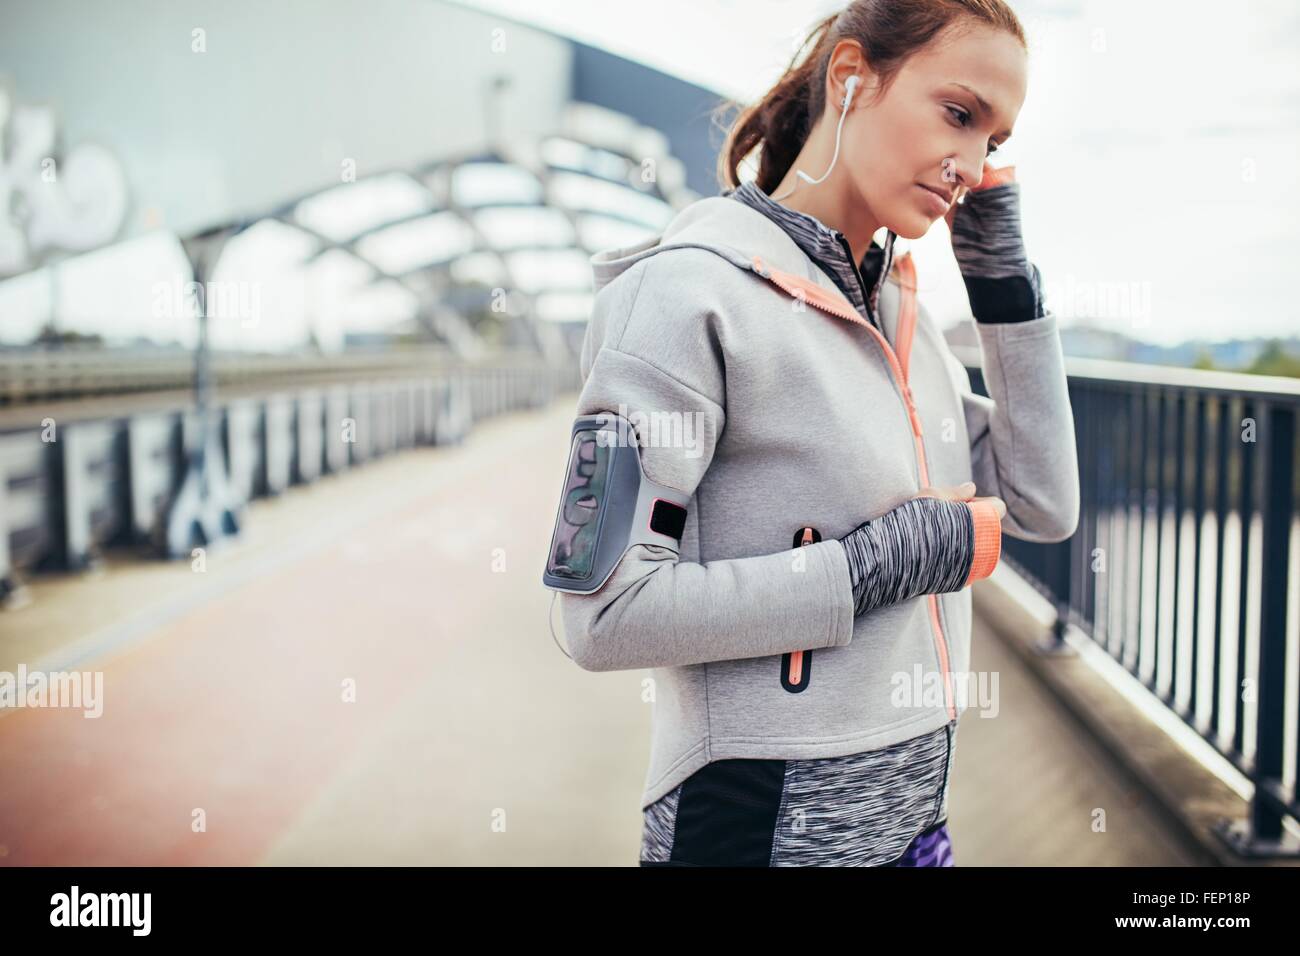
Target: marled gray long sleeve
(924, 546)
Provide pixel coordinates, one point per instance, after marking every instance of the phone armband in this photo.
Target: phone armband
(607, 505)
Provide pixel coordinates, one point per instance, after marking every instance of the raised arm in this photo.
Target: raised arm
(1022, 434)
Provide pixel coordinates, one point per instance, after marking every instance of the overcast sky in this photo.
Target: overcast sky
(1157, 148)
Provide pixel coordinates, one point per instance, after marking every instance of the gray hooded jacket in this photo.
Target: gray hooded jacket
(758, 390)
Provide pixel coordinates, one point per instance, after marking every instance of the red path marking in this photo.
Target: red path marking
(235, 708)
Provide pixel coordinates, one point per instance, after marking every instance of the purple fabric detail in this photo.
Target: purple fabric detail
(929, 849)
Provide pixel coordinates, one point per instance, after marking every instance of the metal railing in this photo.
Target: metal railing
(1186, 561)
(101, 474)
(77, 372)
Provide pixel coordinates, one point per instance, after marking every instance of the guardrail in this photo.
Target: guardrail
(72, 372)
(1185, 567)
(76, 478)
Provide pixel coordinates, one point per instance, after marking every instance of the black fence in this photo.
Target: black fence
(1185, 566)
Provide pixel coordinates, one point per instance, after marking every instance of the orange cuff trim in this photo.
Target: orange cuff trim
(988, 540)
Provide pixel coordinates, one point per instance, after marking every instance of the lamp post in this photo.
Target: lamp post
(205, 509)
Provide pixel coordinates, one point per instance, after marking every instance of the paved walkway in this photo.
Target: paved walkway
(367, 677)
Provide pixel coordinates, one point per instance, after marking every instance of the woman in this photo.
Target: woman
(839, 487)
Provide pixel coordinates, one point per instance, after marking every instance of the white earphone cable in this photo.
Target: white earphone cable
(550, 619)
(800, 174)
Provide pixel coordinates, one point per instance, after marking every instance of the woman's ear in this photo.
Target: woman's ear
(848, 62)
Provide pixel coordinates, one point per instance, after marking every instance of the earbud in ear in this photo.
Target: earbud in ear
(850, 85)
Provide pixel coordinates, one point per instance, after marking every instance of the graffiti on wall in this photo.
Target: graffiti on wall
(51, 200)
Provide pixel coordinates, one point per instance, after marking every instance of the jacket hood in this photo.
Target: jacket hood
(720, 224)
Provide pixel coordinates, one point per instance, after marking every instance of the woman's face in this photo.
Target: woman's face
(930, 128)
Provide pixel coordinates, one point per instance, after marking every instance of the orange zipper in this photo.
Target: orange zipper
(838, 306)
(797, 664)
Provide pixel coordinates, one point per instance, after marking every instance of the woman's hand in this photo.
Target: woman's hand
(918, 547)
(1003, 285)
(986, 224)
(964, 492)
(992, 176)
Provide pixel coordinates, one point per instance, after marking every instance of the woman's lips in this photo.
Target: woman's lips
(936, 203)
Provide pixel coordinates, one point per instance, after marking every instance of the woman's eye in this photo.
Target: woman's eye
(962, 116)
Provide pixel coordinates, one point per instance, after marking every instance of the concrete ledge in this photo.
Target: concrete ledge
(1193, 795)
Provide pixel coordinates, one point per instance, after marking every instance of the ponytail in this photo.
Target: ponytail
(782, 120)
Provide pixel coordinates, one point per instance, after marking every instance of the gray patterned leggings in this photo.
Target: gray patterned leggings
(885, 807)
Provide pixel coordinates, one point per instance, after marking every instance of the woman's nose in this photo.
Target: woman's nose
(963, 172)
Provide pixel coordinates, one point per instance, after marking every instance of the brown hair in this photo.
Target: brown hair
(889, 31)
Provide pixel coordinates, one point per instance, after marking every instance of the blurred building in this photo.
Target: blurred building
(406, 172)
